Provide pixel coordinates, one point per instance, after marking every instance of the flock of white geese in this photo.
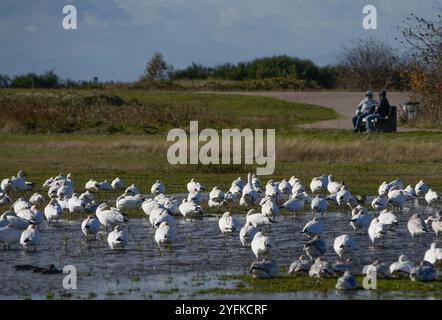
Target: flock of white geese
(20, 224)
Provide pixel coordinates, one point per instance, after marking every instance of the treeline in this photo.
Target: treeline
(265, 68)
(46, 80)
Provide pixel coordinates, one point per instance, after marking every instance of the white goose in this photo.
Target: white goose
(432, 197)
(9, 236)
(5, 199)
(416, 225)
(91, 185)
(194, 185)
(53, 211)
(33, 215)
(269, 208)
(75, 204)
(421, 188)
(6, 185)
(109, 217)
(313, 227)
(380, 202)
(295, 204)
(90, 227)
(396, 197)
(132, 190)
(285, 187)
(256, 219)
(118, 184)
(30, 238)
(317, 185)
(435, 223)
(117, 239)
(344, 245)
(343, 195)
(377, 231)
(195, 196)
(247, 233)
(319, 204)
(165, 234)
(397, 183)
(261, 245)
(434, 255)
(389, 219)
(249, 194)
(333, 187)
(158, 187)
(384, 188)
(37, 199)
(402, 267)
(216, 198)
(190, 209)
(21, 204)
(361, 221)
(237, 186)
(227, 223)
(127, 201)
(149, 205)
(104, 185)
(10, 218)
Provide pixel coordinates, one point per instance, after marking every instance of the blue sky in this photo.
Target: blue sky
(115, 38)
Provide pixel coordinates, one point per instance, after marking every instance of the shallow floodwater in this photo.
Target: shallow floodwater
(199, 255)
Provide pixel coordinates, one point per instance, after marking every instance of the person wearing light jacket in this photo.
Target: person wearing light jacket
(365, 108)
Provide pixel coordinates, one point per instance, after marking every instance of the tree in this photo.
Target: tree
(423, 37)
(4, 81)
(368, 64)
(157, 68)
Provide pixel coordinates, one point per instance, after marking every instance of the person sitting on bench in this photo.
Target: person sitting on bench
(382, 111)
(365, 108)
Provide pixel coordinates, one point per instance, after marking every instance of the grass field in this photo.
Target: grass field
(362, 161)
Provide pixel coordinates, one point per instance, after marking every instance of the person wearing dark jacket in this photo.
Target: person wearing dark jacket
(382, 111)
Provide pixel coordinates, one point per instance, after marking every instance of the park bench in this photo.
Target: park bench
(387, 124)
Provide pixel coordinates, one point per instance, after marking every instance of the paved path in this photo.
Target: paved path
(344, 103)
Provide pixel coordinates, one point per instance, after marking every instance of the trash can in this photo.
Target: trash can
(411, 110)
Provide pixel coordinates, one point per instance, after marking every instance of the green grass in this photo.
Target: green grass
(245, 284)
(146, 112)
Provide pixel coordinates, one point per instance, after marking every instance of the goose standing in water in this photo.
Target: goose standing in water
(165, 234)
(117, 239)
(285, 188)
(264, 269)
(9, 235)
(382, 269)
(195, 196)
(388, 218)
(295, 204)
(90, 227)
(313, 227)
(421, 188)
(343, 196)
(159, 216)
(321, 269)
(333, 187)
(227, 223)
(269, 207)
(425, 272)
(261, 245)
(317, 185)
(341, 266)
(315, 248)
(301, 266)
(75, 204)
(190, 210)
(319, 204)
(30, 238)
(346, 282)
(21, 204)
(377, 231)
(118, 184)
(10, 218)
(247, 233)
(249, 194)
(410, 193)
(434, 255)
(344, 245)
(396, 198)
(158, 187)
(109, 217)
(416, 225)
(361, 221)
(379, 203)
(237, 186)
(432, 197)
(53, 211)
(127, 201)
(435, 223)
(32, 215)
(402, 267)
(216, 198)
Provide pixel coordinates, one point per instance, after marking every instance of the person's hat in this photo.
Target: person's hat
(369, 94)
(383, 93)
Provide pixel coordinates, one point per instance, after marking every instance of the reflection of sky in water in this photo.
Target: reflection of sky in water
(198, 255)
